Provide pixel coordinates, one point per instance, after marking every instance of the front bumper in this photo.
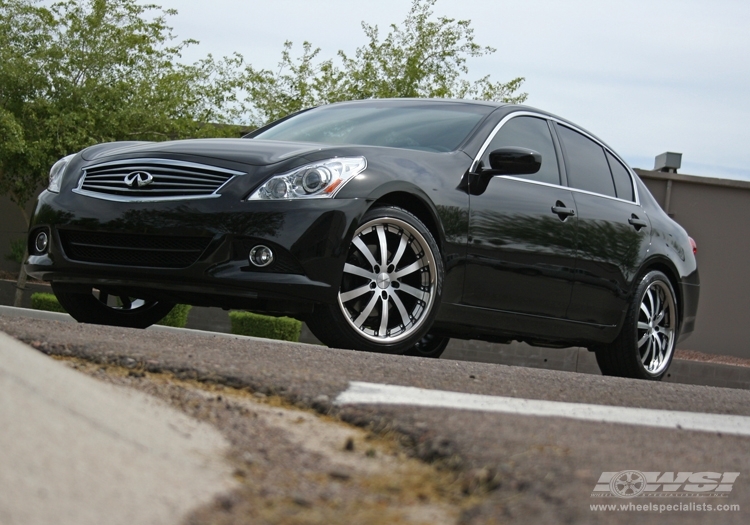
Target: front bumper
(98, 243)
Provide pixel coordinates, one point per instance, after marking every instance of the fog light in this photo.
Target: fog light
(261, 256)
(41, 241)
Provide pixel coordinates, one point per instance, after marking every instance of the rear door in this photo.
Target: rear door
(613, 230)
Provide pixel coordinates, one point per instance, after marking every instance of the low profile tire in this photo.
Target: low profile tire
(97, 307)
(430, 345)
(645, 347)
(390, 288)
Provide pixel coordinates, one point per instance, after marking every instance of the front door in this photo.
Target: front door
(522, 231)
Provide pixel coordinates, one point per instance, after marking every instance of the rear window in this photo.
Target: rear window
(428, 127)
(587, 166)
(621, 176)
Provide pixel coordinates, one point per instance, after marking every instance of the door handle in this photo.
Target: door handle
(562, 211)
(637, 223)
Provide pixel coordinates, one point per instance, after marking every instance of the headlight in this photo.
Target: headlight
(318, 180)
(56, 173)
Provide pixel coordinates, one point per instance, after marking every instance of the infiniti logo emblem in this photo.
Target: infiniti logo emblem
(138, 178)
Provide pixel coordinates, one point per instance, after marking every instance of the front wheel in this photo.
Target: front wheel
(645, 347)
(390, 288)
(99, 307)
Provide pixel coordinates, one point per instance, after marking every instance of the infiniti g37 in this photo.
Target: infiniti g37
(386, 225)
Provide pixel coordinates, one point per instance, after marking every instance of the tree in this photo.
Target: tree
(82, 72)
(423, 57)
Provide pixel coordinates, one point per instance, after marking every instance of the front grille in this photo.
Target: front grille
(152, 179)
(154, 251)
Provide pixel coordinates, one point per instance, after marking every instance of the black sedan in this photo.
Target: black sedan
(386, 225)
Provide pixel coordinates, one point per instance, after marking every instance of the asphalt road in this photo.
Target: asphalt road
(535, 468)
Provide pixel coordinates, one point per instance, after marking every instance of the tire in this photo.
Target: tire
(390, 287)
(101, 308)
(645, 347)
(430, 345)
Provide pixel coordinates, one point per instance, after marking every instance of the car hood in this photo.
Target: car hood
(245, 151)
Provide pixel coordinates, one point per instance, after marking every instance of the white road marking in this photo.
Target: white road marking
(360, 393)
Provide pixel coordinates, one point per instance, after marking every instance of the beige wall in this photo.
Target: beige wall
(716, 213)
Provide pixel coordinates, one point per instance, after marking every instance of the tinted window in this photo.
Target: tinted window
(586, 164)
(621, 175)
(532, 133)
(430, 127)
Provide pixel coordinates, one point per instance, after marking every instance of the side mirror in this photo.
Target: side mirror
(515, 161)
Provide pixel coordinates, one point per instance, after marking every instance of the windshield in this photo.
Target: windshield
(422, 126)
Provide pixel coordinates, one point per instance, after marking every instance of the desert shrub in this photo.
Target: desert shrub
(177, 317)
(47, 302)
(256, 325)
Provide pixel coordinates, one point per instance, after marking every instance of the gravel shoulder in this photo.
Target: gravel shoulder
(297, 466)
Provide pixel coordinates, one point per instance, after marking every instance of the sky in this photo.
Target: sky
(645, 76)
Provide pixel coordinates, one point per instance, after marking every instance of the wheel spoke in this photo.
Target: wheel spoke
(103, 297)
(356, 270)
(416, 292)
(658, 345)
(644, 309)
(648, 351)
(364, 250)
(383, 247)
(660, 315)
(413, 267)
(127, 304)
(658, 304)
(642, 340)
(401, 309)
(353, 294)
(650, 294)
(644, 306)
(359, 321)
(402, 244)
(383, 331)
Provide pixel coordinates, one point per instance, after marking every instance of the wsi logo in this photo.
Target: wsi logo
(634, 483)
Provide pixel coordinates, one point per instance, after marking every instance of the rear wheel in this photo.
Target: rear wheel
(100, 307)
(430, 345)
(645, 347)
(390, 288)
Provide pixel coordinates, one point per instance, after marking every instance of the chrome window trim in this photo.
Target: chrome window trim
(576, 190)
(486, 144)
(163, 162)
(634, 203)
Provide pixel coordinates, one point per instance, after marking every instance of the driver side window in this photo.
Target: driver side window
(532, 133)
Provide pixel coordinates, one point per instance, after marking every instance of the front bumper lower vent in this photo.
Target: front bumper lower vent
(151, 251)
(135, 180)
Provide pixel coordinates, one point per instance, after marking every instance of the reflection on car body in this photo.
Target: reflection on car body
(387, 225)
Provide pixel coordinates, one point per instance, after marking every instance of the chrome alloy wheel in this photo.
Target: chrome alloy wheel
(388, 287)
(657, 321)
